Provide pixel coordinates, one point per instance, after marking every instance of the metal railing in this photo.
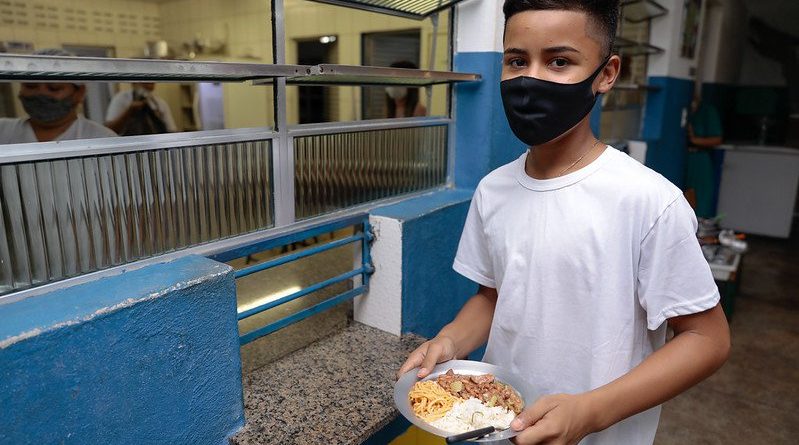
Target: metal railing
(14, 67)
(362, 235)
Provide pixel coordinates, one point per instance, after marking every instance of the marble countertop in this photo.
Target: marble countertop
(338, 390)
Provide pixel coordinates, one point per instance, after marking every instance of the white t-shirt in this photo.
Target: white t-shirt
(19, 131)
(122, 100)
(588, 266)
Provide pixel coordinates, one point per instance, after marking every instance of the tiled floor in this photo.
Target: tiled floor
(754, 398)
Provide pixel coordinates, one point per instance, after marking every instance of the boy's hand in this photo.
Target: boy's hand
(562, 419)
(438, 350)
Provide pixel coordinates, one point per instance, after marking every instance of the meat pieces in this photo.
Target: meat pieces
(483, 387)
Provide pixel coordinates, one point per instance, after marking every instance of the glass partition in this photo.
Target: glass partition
(336, 171)
(68, 217)
(318, 33)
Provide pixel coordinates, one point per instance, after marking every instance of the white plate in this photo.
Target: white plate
(466, 367)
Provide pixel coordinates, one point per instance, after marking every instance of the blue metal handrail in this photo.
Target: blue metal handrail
(301, 315)
(296, 256)
(364, 237)
(301, 293)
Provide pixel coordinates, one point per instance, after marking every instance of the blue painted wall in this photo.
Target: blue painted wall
(483, 140)
(148, 356)
(663, 131)
(596, 116)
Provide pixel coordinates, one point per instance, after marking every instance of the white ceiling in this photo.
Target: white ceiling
(781, 14)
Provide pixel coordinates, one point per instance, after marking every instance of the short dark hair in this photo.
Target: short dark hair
(604, 14)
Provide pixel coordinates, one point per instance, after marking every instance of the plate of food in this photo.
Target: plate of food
(463, 400)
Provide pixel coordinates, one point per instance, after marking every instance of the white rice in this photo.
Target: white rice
(471, 415)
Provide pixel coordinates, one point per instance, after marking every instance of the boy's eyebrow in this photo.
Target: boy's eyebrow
(551, 49)
(561, 49)
(515, 51)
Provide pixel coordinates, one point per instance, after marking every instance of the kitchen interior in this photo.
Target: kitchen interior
(240, 31)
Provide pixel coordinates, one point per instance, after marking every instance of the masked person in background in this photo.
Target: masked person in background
(52, 110)
(403, 101)
(704, 133)
(139, 111)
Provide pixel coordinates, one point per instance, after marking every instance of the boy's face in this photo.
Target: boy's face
(555, 45)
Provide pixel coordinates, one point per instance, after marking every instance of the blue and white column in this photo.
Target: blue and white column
(483, 138)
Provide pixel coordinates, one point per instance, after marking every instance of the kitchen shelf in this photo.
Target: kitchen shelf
(637, 11)
(412, 9)
(74, 69)
(627, 47)
(70, 69)
(327, 74)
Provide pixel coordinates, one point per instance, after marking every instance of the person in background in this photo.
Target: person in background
(404, 101)
(139, 111)
(704, 133)
(52, 112)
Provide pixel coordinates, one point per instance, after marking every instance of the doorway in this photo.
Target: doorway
(383, 49)
(317, 104)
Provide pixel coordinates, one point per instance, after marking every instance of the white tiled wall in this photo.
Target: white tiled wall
(125, 25)
(244, 24)
(246, 27)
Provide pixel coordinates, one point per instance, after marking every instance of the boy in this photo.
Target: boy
(583, 256)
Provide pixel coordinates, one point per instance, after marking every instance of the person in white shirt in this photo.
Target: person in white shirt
(52, 116)
(583, 257)
(52, 110)
(139, 111)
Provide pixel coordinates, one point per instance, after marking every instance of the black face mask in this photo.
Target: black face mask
(539, 110)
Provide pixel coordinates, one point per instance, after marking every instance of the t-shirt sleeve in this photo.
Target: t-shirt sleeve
(473, 260)
(673, 276)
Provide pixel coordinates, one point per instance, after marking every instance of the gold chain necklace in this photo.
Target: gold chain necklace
(578, 159)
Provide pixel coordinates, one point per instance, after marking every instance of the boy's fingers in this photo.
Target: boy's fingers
(533, 414)
(538, 434)
(430, 359)
(413, 361)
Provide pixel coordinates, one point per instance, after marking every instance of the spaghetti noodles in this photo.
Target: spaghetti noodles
(430, 401)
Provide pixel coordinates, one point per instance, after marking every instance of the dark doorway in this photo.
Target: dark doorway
(383, 49)
(315, 104)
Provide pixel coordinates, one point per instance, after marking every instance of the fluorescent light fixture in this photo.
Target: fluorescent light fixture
(268, 298)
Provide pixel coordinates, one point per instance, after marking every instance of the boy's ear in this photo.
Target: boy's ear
(608, 76)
